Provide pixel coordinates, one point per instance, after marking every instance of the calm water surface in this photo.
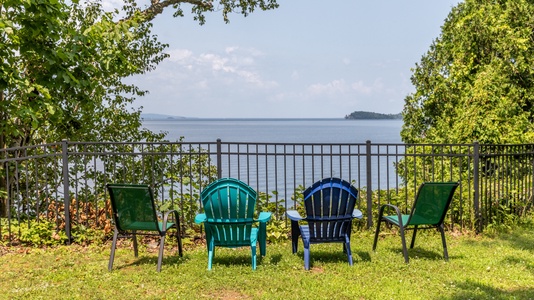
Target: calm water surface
(280, 130)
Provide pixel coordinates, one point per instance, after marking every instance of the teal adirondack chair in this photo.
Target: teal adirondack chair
(428, 212)
(228, 218)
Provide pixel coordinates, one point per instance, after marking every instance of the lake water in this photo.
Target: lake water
(280, 130)
(292, 131)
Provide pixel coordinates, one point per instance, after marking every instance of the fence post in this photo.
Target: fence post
(476, 186)
(66, 192)
(369, 184)
(219, 159)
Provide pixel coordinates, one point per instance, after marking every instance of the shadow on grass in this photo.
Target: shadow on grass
(331, 256)
(275, 259)
(237, 259)
(147, 260)
(419, 252)
(520, 239)
(475, 290)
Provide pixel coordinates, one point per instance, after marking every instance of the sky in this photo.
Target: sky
(306, 59)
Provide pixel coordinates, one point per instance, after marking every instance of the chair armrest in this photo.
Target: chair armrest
(357, 214)
(294, 215)
(397, 212)
(176, 220)
(168, 213)
(264, 217)
(200, 218)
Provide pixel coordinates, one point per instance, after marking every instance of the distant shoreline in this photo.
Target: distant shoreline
(157, 117)
(263, 119)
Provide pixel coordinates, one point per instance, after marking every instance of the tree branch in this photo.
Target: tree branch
(156, 7)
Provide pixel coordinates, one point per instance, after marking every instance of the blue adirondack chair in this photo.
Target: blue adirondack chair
(428, 212)
(329, 205)
(228, 218)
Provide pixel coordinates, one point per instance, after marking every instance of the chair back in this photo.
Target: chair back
(432, 202)
(329, 204)
(133, 207)
(229, 205)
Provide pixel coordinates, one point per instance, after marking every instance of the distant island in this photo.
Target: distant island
(367, 115)
(151, 117)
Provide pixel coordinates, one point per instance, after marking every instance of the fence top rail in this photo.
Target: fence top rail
(56, 145)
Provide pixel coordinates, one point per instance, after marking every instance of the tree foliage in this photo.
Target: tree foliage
(476, 83)
(63, 66)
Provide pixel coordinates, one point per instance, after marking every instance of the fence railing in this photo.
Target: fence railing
(65, 182)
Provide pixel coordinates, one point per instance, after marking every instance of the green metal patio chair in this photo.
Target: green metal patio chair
(134, 213)
(429, 210)
(228, 218)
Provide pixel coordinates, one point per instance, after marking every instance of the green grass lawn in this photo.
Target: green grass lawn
(479, 267)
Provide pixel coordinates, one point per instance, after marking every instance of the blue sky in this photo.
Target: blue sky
(306, 59)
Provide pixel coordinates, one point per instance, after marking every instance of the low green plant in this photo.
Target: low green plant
(84, 235)
(277, 230)
(40, 233)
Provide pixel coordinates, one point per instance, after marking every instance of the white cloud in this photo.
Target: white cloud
(229, 50)
(330, 88)
(180, 55)
(376, 87)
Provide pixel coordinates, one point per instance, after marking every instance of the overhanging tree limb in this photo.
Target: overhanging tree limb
(157, 7)
(200, 7)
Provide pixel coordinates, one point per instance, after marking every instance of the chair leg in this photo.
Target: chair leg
(113, 246)
(208, 236)
(295, 233)
(136, 250)
(445, 252)
(263, 238)
(253, 250)
(306, 255)
(404, 250)
(349, 231)
(413, 237)
(346, 246)
(161, 248)
(179, 236)
(180, 251)
(211, 250)
(377, 231)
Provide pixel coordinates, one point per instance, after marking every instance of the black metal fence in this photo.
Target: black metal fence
(65, 182)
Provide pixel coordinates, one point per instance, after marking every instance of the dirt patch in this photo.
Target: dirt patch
(226, 294)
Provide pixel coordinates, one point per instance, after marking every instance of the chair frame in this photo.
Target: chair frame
(161, 230)
(399, 218)
(342, 223)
